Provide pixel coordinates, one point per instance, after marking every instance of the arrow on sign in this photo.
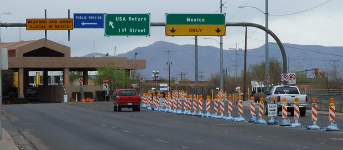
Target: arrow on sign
(111, 24)
(83, 23)
(172, 30)
(218, 30)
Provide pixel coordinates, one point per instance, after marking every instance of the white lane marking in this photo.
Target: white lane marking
(337, 139)
(161, 141)
(103, 125)
(127, 131)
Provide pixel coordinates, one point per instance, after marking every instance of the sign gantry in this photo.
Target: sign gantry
(195, 25)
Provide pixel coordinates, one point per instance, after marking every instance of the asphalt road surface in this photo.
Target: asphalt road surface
(94, 126)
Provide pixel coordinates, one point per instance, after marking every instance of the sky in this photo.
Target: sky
(307, 24)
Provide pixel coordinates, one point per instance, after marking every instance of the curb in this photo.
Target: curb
(6, 143)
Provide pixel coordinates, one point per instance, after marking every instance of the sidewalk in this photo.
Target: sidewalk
(6, 143)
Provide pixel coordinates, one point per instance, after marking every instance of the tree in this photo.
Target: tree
(75, 75)
(116, 77)
(257, 72)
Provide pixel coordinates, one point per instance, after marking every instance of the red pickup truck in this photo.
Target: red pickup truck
(126, 98)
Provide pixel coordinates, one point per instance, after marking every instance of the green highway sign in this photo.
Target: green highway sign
(127, 24)
(195, 24)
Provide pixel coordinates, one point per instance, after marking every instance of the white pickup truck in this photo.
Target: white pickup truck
(290, 93)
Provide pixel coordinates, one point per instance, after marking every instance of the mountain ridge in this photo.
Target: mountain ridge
(299, 57)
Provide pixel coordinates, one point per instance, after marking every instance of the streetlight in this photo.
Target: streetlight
(7, 13)
(221, 70)
(266, 44)
(155, 76)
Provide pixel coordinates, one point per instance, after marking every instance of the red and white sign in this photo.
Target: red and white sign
(105, 80)
(289, 77)
(80, 80)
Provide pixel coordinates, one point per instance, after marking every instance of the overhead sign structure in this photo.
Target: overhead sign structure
(49, 24)
(88, 20)
(127, 24)
(195, 25)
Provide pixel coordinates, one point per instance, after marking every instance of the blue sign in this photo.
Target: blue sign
(87, 20)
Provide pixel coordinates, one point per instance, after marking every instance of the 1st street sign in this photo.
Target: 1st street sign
(195, 25)
(88, 20)
(127, 24)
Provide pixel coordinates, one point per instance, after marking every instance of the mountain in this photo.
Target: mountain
(299, 57)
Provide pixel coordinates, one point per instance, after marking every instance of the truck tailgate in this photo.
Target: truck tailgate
(291, 97)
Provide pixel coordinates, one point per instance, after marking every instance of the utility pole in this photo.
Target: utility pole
(245, 65)
(335, 76)
(181, 74)
(221, 72)
(168, 63)
(267, 80)
(196, 65)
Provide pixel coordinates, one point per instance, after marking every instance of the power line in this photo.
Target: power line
(302, 10)
(238, 11)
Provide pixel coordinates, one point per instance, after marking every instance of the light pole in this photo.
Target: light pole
(155, 76)
(266, 74)
(221, 80)
(8, 13)
(168, 63)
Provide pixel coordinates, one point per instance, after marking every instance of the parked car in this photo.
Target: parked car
(290, 93)
(126, 98)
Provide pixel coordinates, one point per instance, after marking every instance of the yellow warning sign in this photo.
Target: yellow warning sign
(49, 24)
(192, 30)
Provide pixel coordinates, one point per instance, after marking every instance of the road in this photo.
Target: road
(94, 126)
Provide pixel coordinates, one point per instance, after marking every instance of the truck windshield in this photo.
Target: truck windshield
(286, 90)
(127, 93)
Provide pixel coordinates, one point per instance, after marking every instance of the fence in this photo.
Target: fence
(323, 96)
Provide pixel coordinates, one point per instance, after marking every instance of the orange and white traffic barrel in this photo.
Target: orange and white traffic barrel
(314, 111)
(222, 106)
(200, 100)
(200, 106)
(240, 110)
(179, 100)
(296, 110)
(229, 106)
(240, 106)
(261, 112)
(208, 106)
(184, 99)
(332, 111)
(261, 108)
(187, 102)
(158, 100)
(216, 106)
(252, 106)
(332, 117)
(194, 105)
(284, 108)
(175, 100)
(314, 116)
